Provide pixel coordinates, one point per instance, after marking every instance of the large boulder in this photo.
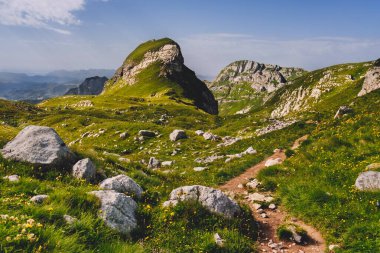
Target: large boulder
(40, 146)
(84, 169)
(212, 199)
(177, 135)
(147, 133)
(371, 80)
(122, 184)
(368, 181)
(117, 210)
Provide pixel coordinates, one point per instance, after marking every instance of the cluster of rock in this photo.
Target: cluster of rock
(228, 158)
(213, 200)
(274, 126)
(261, 77)
(84, 103)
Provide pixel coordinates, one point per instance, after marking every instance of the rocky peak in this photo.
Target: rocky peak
(166, 54)
(261, 77)
(90, 86)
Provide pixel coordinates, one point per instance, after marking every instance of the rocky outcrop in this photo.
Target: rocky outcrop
(212, 199)
(40, 146)
(84, 169)
(169, 57)
(261, 77)
(371, 79)
(343, 110)
(368, 181)
(90, 86)
(122, 184)
(117, 210)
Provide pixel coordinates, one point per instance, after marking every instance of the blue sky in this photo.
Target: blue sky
(43, 35)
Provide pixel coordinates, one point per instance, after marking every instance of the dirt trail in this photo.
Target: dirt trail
(268, 226)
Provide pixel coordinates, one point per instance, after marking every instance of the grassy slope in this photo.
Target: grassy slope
(170, 229)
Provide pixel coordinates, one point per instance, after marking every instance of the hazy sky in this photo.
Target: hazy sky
(44, 35)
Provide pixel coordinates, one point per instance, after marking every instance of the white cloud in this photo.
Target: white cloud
(207, 54)
(48, 14)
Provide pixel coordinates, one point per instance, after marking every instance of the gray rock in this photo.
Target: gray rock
(123, 135)
(212, 199)
(257, 197)
(368, 181)
(39, 199)
(342, 111)
(218, 240)
(117, 210)
(147, 133)
(371, 81)
(295, 236)
(84, 169)
(177, 135)
(211, 137)
(122, 184)
(199, 132)
(167, 163)
(272, 162)
(272, 206)
(12, 178)
(154, 163)
(40, 146)
(199, 168)
(69, 219)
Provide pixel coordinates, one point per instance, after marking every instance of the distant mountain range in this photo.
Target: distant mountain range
(20, 86)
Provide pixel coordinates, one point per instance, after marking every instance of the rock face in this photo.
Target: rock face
(177, 135)
(167, 55)
(40, 146)
(84, 169)
(371, 79)
(117, 210)
(368, 181)
(90, 86)
(212, 199)
(122, 184)
(261, 77)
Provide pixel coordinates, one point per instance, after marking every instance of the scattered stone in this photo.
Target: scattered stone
(249, 151)
(240, 186)
(257, 197)
(228, 140)
(260, 211)
(212, 199)
(332, 247)
(253, 183)
(210, 137)
(69, 219)
(39, 199)
(147, 133)
(167, 163)
(123, 135)
(199, 132)
(12, 178)
(84, 103)
(40, 146)
(343, 110)
(276, 125)
(209, 159)
(84, 169)
(122, 184)
(272, 162)
(199, 169)
(117, 210)
(295, 236)
(368, 181)
(154, 163)
(123, 159)
(218, 240)
(177, 135)
(272, 206)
